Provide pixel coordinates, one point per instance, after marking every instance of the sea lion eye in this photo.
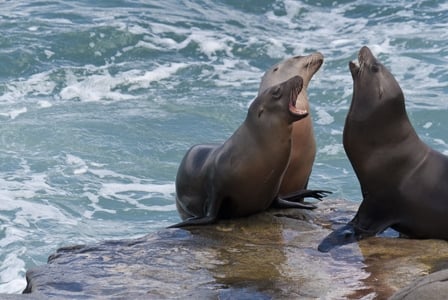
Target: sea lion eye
(375, 68)
(277, 93)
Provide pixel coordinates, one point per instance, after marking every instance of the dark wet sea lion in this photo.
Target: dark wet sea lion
(303, 141)
(241, 176)
(404, 182)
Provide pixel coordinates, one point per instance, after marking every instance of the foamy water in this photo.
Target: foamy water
(99, 102)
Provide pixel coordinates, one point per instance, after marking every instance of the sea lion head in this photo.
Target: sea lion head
(374, 87)
(303, 66)
(279, 100)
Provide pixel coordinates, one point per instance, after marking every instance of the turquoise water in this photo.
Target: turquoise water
(99, 100)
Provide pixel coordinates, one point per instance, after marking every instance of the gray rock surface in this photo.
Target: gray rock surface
(431, 287)
(272, 255)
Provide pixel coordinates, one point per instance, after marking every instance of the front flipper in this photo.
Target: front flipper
(195, 221)
(295, 200)
(345, 235)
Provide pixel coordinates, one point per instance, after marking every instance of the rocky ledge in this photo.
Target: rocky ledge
(272, 255)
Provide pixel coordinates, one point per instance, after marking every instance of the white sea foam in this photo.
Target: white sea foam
(427, 125)
(10, 271)
(95, 87)
(30, 211)
(14, 113)
(323, 117)
(138, 80)
(74, 160)
(35, 85)
(133, 191)
(336, 132)
(44, 104)
(13, 234)
(210, 42)
(334, 149)
(17, 192)
(440, 142)
(78, 164)
(292, 8)
(165, 190)
(94, 204)
(48, 53)
(21, 214)
(236, 73)
(101, 85)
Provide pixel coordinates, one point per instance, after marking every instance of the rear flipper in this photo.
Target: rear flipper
(213, 205)
(194, 221)
(345, 235)
(295, 200)
(299, 195)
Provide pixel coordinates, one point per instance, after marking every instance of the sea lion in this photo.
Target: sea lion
(303, 142)
(241, 176)
(403, 181)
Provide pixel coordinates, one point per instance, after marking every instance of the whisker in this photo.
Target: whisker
(361, 68)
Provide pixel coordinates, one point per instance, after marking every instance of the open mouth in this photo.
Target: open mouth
(293, 100)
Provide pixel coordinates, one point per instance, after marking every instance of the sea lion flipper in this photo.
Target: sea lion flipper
(213, 207)
(349, 233)
(295, 200)
(299, 195)
(342, 236)
(283, 203)
(194, 221)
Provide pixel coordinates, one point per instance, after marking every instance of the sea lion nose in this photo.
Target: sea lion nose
(364, 54)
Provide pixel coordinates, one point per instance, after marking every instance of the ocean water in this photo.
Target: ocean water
(99, 101)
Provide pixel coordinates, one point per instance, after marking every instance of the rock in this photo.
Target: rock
(431, 287)
(269, 255)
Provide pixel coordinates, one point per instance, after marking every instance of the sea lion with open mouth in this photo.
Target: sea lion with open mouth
(303, 149)
(242, 176)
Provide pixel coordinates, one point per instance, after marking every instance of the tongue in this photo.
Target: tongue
(295, 110)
